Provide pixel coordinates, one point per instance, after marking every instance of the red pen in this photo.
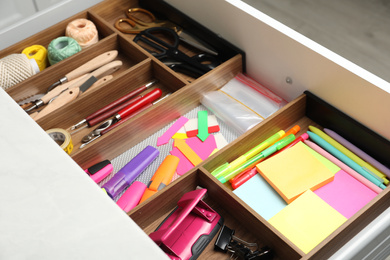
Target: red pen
(122, 116)
(112, 108)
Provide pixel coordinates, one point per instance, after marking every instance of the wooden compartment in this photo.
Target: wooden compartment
(116, 10)
(304, 111)
(42, 80)
(182, 100)
(140, 67)
(39, 83)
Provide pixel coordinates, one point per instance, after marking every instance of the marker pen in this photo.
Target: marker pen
(162, 177)
(256, 159)
(225, 168)
(130, 171)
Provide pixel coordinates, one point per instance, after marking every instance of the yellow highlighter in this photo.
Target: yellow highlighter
(225, 168)
(162, 177)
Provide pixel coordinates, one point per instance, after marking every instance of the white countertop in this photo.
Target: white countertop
(50, 209)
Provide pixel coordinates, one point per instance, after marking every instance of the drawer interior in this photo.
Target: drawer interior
(183, 94)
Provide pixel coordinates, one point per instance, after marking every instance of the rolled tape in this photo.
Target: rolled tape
(62, 138)
(38, 53)
(83, 31)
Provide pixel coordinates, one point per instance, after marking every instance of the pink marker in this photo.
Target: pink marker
(100, 171)
(132, 196)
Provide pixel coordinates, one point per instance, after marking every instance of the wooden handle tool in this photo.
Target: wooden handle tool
(87, 67)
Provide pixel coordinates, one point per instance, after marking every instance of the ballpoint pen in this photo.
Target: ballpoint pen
(123, 115)
(225, 168)
(257, 158)
(112, 108)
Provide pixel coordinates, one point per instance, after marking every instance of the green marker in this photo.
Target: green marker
(256, 159)
(225, 168)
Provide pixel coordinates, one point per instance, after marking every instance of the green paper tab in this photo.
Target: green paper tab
(203, 128)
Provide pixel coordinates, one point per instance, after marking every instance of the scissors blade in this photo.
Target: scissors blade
(191, 40)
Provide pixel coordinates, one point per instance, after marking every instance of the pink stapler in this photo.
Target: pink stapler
(186, 232)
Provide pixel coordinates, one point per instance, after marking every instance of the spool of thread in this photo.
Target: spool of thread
(38, 53)
(15, 68)
(62, 48)
(83, 31)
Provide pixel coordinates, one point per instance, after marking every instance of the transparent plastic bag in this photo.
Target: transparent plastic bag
(232, 113)
(242, 103)
(253, 95)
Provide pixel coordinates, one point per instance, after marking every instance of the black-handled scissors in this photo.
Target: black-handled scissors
(163, 43)
(139, 19)
(206, 59)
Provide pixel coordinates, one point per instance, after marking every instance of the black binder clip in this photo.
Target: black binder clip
(240, 249)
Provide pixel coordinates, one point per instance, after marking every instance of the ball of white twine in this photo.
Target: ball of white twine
(15, 68)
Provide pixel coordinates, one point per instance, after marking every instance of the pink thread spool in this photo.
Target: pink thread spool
(83, 31)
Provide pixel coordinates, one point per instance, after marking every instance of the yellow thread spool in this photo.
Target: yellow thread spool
(38, 53)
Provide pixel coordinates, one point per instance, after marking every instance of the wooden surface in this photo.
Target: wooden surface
(355, 29)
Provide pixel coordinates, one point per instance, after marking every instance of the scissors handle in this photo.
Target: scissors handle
(131, 11)
(167, 49)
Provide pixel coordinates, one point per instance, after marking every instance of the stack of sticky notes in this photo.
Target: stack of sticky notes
(304, 195)
(307, 221)
(295, 171)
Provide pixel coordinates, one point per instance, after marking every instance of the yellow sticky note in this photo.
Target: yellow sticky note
(294, 171)
(307, 221)
(180, 134)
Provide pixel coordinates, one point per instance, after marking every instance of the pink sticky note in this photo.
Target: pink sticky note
(345, 194)
(164, 139)
(202, 149)
(184, 164)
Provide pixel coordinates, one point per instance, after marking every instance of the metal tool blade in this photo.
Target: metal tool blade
(33, 98)
(87, 84)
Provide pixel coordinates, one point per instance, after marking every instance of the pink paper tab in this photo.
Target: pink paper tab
(202, 149)
(164, 139)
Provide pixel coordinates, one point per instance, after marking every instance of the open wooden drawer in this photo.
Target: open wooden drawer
(139, 67)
